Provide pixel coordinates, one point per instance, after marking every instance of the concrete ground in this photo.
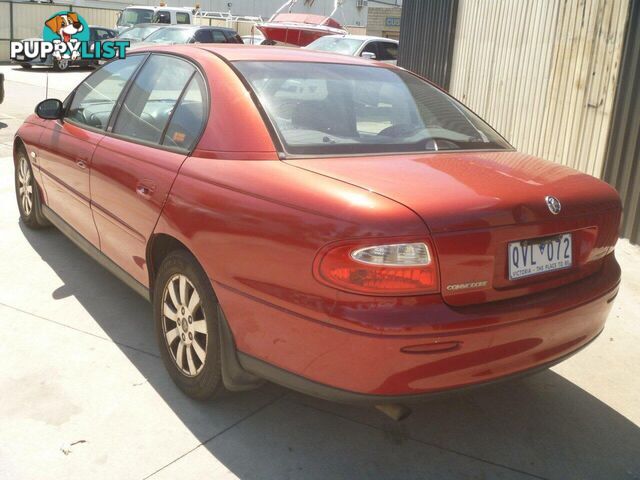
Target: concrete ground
(84, 393)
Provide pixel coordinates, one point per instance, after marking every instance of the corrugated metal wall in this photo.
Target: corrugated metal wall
(5, 21)
(427, 38)
(5, 30)
(28, 18)
(543, 73)
(98, 16)
(623, 152)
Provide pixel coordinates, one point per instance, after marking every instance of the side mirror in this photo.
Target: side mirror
(49, 109)
(368, 55)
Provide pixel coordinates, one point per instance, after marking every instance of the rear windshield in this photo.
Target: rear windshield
(325, 108)
(133, 16)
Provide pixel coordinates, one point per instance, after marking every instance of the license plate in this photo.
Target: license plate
(537, 256)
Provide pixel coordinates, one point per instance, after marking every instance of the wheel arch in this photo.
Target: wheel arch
(159, 246)
(18, 144)
(234, 376)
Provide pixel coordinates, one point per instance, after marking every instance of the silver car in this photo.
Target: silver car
(375, 48)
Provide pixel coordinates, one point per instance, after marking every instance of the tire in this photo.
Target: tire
(28, 193)
(187, 333)
(61, 65)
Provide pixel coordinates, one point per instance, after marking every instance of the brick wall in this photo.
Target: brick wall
(384, 22)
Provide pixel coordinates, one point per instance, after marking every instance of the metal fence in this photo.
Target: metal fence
(622, 169)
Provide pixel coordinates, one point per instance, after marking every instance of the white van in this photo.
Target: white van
(135, 14)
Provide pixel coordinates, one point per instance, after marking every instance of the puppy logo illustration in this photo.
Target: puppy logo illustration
(65, 25)
(68, 28)
(66, 37)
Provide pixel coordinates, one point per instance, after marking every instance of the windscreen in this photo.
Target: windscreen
(344, 46)
(138, 33)
(326, 108)
(170, 35)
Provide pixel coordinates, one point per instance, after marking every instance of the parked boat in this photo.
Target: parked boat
(299, 29)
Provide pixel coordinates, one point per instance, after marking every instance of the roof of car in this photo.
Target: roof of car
(363, 37)
(238, 52)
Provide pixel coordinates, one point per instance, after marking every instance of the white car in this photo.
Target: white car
(137, 14)
(375, 48)
(256, 40)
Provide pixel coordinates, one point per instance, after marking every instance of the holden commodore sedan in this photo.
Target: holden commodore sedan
(335, 225)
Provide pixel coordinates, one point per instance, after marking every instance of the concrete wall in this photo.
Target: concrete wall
(384, 22)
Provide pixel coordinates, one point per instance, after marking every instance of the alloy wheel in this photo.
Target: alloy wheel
(25, 186)
(184, 325)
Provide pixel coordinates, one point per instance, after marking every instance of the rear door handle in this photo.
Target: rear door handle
(145, 188)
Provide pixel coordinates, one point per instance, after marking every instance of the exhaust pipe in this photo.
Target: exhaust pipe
(394, 411)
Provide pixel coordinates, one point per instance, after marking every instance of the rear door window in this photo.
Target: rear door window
(182, 18)
(233, 37)
(218, 37)
(163, 16)
(189, 116)
(203, 36)
(95, 98)
(150, 101)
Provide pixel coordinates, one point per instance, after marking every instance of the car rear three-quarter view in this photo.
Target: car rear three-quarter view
(335, 225)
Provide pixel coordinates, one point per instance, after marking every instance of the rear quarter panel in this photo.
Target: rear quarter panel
(256, 227)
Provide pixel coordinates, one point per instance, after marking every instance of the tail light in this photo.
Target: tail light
(379, 269)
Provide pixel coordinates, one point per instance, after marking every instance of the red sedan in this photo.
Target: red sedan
(339, 226)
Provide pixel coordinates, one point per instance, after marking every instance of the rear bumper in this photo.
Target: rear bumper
(295, 382)
(479, 345)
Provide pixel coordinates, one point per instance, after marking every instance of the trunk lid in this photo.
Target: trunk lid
(475, 203)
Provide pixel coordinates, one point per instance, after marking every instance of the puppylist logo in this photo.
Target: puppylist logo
(66, 35)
